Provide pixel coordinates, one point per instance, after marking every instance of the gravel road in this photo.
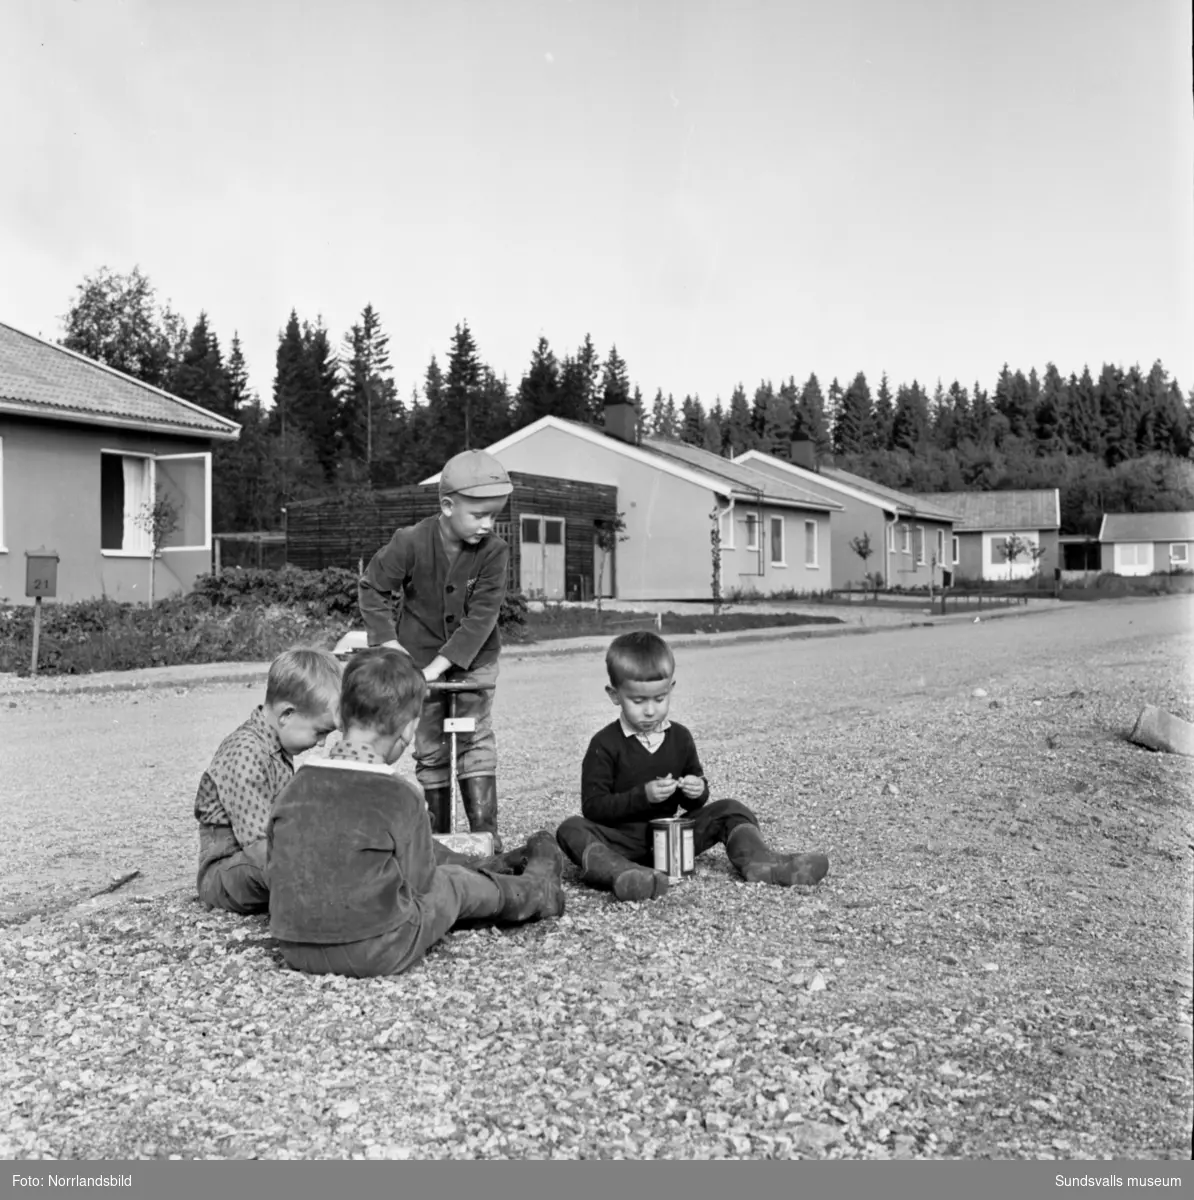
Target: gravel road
(998, 964)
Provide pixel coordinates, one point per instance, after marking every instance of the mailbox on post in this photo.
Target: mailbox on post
(41, 573)
(41, 579)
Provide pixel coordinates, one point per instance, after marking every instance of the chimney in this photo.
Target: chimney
(621, 421)
(804, 454)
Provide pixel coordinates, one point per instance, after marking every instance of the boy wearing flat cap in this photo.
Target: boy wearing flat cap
(451, 571)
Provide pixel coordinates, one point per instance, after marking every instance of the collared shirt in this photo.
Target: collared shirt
(653, 740)
(246, 774)
(356, 751)
(448, 607)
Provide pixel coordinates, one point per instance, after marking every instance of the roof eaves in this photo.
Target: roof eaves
(29, 408)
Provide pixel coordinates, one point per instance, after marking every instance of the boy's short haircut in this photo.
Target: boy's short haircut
(382, 690)
(643, 657)
(309, 679)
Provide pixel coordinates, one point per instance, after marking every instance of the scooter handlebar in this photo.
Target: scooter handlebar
(459, 685)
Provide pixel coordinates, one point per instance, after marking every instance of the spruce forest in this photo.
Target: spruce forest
(1113, 440)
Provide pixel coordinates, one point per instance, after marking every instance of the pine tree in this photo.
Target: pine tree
(833, 409)
(452, 424)
(590, 375)
(640, 421)
(369, 400)
(237, 374)
(813, 418)
(1084, 421)
(737, 430)
(200, 377)
(491, 418)
(317, 407)
(883, 416)
(657, 417)
(778, 421)
(1051, 413)
(910, 423)
(764, 393)
(615, 382)
(692, 421)
(852, 430)
(714, 429)
(539, 392)
(1117, 409)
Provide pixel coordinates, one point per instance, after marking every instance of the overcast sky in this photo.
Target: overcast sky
(727, 191)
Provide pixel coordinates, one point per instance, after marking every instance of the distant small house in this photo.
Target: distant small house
(988, 524)
(773, 535)
(1145, 543)
(907, 536)
(84, 453)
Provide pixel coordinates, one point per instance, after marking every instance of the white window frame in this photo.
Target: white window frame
(922, 539)
(205, 455)
(3, 543)
(752, 530)
(812, 563)
(1174, 547)
(956, 549)
(891, 537)
(783, 543)
(725, 526)
(148, 460)
(905, 538)
(940, 547)
(153, 460)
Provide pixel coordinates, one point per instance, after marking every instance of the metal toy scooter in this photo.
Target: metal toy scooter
(476, 844)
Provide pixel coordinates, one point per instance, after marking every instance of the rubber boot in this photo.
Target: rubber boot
(480, 806)
(512, 862)
(543, 856)
(528, 897)
(439, 808)
(759, 864)
(604, 868)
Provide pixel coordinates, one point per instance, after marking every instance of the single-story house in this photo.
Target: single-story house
(908, 537)
(988, 524)
(1147, 543)
(85, 451)
(773, 536)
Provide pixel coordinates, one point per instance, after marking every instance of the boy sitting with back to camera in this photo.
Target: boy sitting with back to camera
(354, 884)
(643, 767)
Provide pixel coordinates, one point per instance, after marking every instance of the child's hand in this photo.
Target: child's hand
(692, 785)
(659, 790)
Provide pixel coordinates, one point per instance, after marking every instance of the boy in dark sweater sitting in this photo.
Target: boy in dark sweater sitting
(354, 885)
(643, 767)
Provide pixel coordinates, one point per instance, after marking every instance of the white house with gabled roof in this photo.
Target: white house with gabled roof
(774, 535)
(909, 538)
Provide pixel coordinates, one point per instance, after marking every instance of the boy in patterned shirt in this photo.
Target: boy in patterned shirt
(252, 765)
(644, 766)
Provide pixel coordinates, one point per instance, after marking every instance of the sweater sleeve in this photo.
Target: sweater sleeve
(411, 831)
(482, 609)
(385, 574)
(692, 766)
(598, 801)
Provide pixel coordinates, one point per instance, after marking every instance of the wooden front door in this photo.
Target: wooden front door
(541, 557)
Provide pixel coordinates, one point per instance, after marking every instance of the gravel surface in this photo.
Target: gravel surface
(997, 966)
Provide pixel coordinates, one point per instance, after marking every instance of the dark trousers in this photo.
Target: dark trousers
(228, 878)
(711, 825)
(457, 894)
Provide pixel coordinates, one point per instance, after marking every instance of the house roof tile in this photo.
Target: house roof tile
(905, 503)
(1148, 527)
(740, 477)
(40, 379)
(979, 511)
